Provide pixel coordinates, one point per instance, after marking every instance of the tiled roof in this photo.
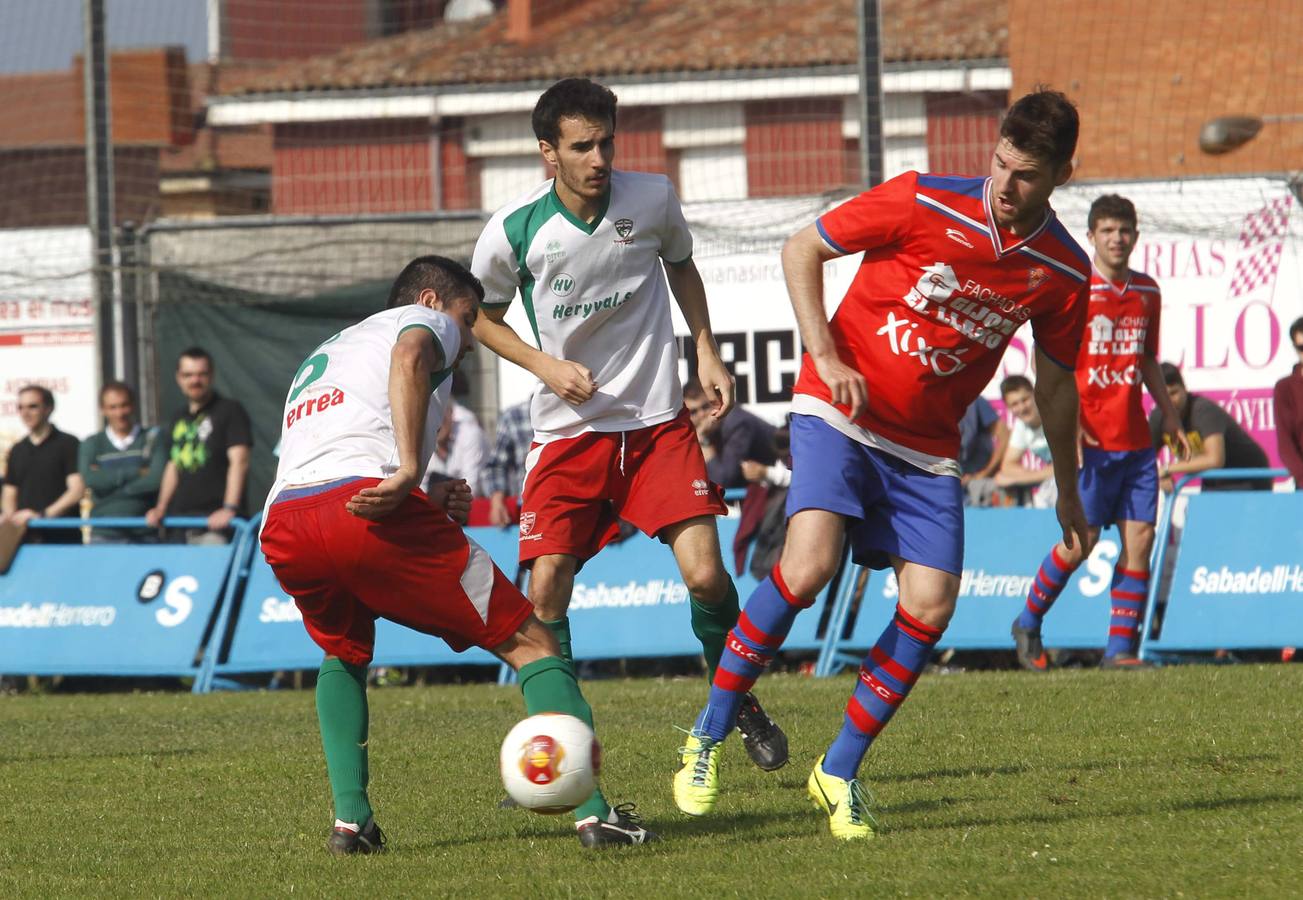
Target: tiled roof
(605, 38)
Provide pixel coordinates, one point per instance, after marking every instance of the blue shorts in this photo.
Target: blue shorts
(1118, 485)
(900, 510)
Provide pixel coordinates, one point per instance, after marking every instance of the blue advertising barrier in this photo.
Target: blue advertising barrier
(1003, 548)
(112, 609)
(1238, 578)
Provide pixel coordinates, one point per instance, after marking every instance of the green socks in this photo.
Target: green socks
(549, 686)
(342, 712)
(561, 630)
(711, 625)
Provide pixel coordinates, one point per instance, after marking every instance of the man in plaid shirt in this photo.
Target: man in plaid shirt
(505, 470)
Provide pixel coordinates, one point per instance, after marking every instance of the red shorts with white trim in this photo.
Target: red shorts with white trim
(415, 567)
(577, 489)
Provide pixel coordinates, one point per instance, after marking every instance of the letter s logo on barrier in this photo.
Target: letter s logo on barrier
(1099, 568)
(178, 600)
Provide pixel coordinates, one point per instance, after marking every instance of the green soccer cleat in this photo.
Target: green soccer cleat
(696, 784)
(845, 802)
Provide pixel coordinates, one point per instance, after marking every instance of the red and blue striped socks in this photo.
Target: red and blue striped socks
(887, 674)
(1049, 582)
(760, 631)
(1129, 591)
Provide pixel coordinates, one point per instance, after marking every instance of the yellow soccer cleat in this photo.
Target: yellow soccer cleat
(845, 802)
(696, 784)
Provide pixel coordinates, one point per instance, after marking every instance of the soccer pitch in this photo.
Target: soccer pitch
(1080, 783)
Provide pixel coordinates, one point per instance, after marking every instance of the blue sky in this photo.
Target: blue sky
(40, 35)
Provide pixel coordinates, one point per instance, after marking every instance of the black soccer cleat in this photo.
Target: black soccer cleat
(1031, 652)
(346, 841)
(765, 742)
(626, 830)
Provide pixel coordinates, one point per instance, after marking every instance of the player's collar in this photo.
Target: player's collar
(997, 243)
(585, 227)
(1126, 286)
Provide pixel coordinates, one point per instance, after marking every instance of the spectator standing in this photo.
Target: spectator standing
(728, 442)
(208, 455)
(41, 480)
(1026, 436)
(504, 473)
(121, 465)
(1216, 440)
(1287, 399)
(982, 439)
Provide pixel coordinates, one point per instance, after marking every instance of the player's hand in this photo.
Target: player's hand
(154, 517)
(453, 497)
(499, 515)
(570, 381)
(1176, 438)
(847, 386)
(754, 471)
(716, 382)
(220, 519)
(378, 501)
(1072, 519)
(23, 516)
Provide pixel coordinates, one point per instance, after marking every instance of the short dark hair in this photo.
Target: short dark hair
(1295, 327)
(46, 396)
(1016, 383)
(692, 388)
(195, 353)
(1171, 374)
(571, 98)
(1111, 206)
(1044, 124)
(120, 387)
(446, 277)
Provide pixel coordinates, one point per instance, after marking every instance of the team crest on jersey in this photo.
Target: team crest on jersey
(958, 237)
(624, 228)
(527, 522)
(1036, 276)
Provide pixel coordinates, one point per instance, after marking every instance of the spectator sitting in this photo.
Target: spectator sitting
(504, 473)
(982, 439)
(41, 480)
(122, 465)
(208, 455)
(1216, 440)
(460, 449)
(1035, 487)
(1287, 400)
(726, 443)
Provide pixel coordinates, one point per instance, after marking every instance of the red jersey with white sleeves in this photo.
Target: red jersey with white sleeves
(1121, 329)
(936, 299)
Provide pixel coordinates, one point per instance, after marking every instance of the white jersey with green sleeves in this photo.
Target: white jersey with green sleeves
(594, 294)
(337, 422)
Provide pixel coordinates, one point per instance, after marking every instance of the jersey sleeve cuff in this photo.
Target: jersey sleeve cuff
(495, 304)
(679, 262)
(1052, 358)
(827, 239)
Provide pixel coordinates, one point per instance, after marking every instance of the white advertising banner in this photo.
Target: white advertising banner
(1228, 254)
(47, 327)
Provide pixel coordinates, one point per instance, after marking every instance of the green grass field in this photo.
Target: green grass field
(1177, 782)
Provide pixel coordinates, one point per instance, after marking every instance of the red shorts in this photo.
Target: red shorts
(415, 567)
(577, 489)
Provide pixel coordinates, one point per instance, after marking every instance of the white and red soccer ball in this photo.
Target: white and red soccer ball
(550, 763)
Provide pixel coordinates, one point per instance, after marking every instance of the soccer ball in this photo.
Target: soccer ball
(550, 763)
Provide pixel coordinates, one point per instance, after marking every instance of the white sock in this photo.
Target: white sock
(350, 826)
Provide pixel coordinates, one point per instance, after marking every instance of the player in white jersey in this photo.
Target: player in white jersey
(590, 253)
(351, 537)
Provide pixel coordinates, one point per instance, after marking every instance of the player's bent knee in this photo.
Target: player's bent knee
(707, 584)
(805, 578)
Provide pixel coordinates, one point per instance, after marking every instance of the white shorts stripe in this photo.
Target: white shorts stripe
(477, 579)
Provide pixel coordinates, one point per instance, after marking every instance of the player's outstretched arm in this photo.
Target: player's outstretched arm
(803, 257)
(690, 294)
(570, 381)
(1056, 398)
(1152, 374)
(413, 360)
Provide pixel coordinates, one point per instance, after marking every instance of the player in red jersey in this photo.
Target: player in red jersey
(952, 267)
(1119, 474)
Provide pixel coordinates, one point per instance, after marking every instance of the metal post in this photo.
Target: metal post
(871, 113)
(129, 306)
(99, 183)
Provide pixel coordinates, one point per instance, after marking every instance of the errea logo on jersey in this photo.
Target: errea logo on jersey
(700, 487)
(563, 285)
(317, 404)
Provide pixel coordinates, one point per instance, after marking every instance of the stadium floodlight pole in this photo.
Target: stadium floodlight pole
(1226, 133)
(871, 115)
(99, 186)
